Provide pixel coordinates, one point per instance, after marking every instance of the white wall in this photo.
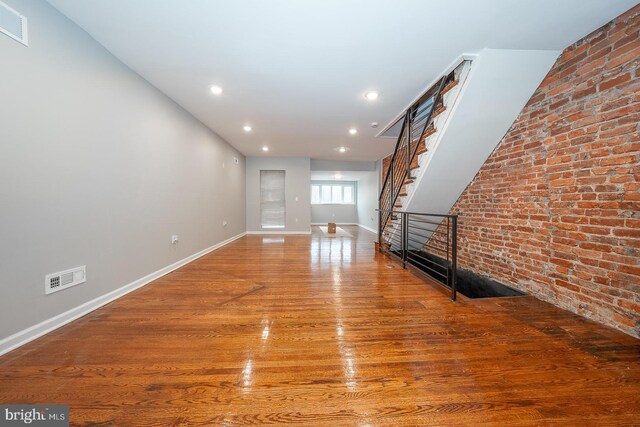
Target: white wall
(97, 168)
(499, 85)
(297, 188)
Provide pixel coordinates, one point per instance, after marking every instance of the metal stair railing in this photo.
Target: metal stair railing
(419, 236)
(415, 124)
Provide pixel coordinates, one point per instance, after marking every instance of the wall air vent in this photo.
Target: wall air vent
(13, 24)
(65, 279)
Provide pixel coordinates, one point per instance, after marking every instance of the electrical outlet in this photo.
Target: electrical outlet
(174, 239)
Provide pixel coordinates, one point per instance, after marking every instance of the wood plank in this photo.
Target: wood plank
(311, 330)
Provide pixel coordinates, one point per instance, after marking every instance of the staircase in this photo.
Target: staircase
(419, 133)
(443, 139)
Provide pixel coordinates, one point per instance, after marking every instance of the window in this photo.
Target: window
(272, 206)
(347, 196)
(333, 193)
(326, 194)
(336, 194)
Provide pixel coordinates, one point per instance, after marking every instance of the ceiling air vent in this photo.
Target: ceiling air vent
(13, 24)
(65, 279)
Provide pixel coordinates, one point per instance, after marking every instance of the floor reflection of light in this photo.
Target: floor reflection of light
(332, 254)
(247, 373)
(267, 240)
(246, 377)
(337, 278)
(346, 353)
(326, 250)
(315, 251)
(265, 329)
(349, 369)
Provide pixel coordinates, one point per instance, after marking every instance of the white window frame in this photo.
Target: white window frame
(330, 200)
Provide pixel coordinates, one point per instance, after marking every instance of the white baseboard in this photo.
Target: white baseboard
(262, 232)
(26, 335)
(369, 229)
(337, 223)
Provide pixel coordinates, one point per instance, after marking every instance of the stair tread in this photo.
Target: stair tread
(449, 86)
(438, 111)
(428, 132)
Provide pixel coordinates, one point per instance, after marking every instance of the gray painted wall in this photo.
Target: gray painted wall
(97, 168)
(368, 192)
(297, 191)
(345, 214)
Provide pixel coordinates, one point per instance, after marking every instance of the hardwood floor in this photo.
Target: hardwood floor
(311, 330)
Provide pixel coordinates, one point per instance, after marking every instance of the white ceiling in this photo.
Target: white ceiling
(296, 70)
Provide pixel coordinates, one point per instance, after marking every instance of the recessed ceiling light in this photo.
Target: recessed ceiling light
(265, 148)
(341, 149)
(371, 96)
(353, 131)
(247, 128)
(216, 90)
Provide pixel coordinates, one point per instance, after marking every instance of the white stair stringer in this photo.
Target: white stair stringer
(486, 102)
(449, 101)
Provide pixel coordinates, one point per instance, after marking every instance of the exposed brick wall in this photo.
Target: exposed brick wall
(385, 167)
(555, 210)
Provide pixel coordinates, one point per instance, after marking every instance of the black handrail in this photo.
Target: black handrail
(436, 100)
(395, 151)
(398, 242)
(435, 93)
